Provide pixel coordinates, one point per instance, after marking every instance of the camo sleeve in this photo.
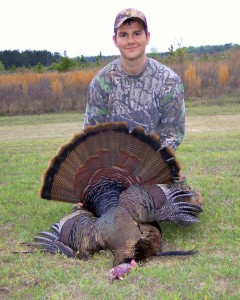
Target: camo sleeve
(97, 105)
(172, 127)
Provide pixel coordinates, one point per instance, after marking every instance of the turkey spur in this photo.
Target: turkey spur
(126, 184)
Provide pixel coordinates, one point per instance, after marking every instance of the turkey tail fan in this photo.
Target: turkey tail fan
(107, 150)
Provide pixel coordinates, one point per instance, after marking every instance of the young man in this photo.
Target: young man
(137, 89)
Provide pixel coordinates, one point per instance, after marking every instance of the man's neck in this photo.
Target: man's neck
(133, 67)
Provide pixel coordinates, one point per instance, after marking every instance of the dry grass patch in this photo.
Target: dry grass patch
(210, 124)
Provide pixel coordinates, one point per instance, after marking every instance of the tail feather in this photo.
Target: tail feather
(44, 240)
(56, 228)
(179, 207)
(184, 219)
(104, 147)
(177, 210)
(178, 194)
(49, 242)
(50, 235)
(43, 247)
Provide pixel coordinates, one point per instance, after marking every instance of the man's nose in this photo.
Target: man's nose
(130, 39)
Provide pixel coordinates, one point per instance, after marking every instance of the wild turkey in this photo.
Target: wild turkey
(126, 183)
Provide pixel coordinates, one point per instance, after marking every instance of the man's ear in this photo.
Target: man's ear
(115, 40)
(148, 38)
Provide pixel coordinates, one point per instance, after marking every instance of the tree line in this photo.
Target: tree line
(12, 59)
(28, 58)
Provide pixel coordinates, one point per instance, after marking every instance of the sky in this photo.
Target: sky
(85, 27)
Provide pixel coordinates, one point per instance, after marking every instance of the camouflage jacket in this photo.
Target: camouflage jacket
(153, 99)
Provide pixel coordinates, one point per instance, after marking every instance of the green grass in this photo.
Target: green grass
(42, 119)
(222, 106)
(210, 156)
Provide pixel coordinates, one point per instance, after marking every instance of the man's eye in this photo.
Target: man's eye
(122, 34)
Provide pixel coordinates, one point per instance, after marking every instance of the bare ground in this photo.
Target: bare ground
(67, 129)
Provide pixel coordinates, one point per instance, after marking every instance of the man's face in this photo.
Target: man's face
(131, 40)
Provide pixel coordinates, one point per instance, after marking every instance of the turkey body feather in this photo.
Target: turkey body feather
(127, 184)
(81, 234)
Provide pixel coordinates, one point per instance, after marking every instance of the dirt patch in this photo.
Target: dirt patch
(213, 123)
(67, 129)
(4, 293)
(26, 132)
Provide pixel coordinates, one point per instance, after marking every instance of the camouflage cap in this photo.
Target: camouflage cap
(127, 14)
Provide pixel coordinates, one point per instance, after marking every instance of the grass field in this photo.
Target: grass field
(210, 156)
